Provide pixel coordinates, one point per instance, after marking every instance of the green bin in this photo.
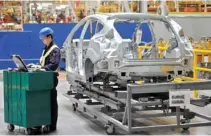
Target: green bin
(27, 98)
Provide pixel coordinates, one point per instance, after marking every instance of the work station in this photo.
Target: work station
(105, 67)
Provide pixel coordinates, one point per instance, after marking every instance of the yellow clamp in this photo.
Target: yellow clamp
(195, 92)
(177, 80)
(140, 82)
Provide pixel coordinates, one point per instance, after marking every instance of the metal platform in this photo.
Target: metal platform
(119, 109)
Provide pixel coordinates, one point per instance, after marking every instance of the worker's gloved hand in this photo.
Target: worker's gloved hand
(37, 66)
(30, 65)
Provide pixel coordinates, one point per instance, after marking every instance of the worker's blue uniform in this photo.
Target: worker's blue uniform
(51, 64)
(53, 59)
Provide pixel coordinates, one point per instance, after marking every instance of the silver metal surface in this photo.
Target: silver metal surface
(131, 112)
(165, 87)
(145, 128)
(203, 116)
(97, 113)
(106, 51)
(102, 99)
(178, 116)
(152, 103)
(119, 115)
(129, 107)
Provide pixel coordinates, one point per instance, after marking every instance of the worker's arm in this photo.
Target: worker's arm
(54, 59)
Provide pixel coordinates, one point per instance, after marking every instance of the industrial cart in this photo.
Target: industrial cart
(27, 99)
(117, 108)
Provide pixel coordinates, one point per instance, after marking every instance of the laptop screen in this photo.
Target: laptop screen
(19, 63)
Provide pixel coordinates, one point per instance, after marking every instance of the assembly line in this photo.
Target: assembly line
(105, 71)
(116, 73)
(119, 92)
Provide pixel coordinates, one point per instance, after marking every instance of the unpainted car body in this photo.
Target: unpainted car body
(107, 56)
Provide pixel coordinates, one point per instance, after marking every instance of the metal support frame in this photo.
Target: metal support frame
(124, 119)
(165, 87)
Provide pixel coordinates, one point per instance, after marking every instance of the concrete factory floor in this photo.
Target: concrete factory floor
(76, 123)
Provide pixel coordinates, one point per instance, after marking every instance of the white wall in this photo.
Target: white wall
(195, 27)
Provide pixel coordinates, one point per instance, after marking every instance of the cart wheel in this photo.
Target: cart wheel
(110, 130)
(183, 121)
(38, 131)
(46, 129)
(10, 127)
(28, 131)
(74, 107)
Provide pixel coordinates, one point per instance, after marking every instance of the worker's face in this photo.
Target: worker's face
(46, 40)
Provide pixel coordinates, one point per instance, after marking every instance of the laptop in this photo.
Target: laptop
(19, 63)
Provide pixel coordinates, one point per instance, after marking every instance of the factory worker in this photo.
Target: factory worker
(50, 61)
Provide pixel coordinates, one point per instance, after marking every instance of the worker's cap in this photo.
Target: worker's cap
(44, 32)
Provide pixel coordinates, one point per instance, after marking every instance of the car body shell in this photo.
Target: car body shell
(107, 52)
